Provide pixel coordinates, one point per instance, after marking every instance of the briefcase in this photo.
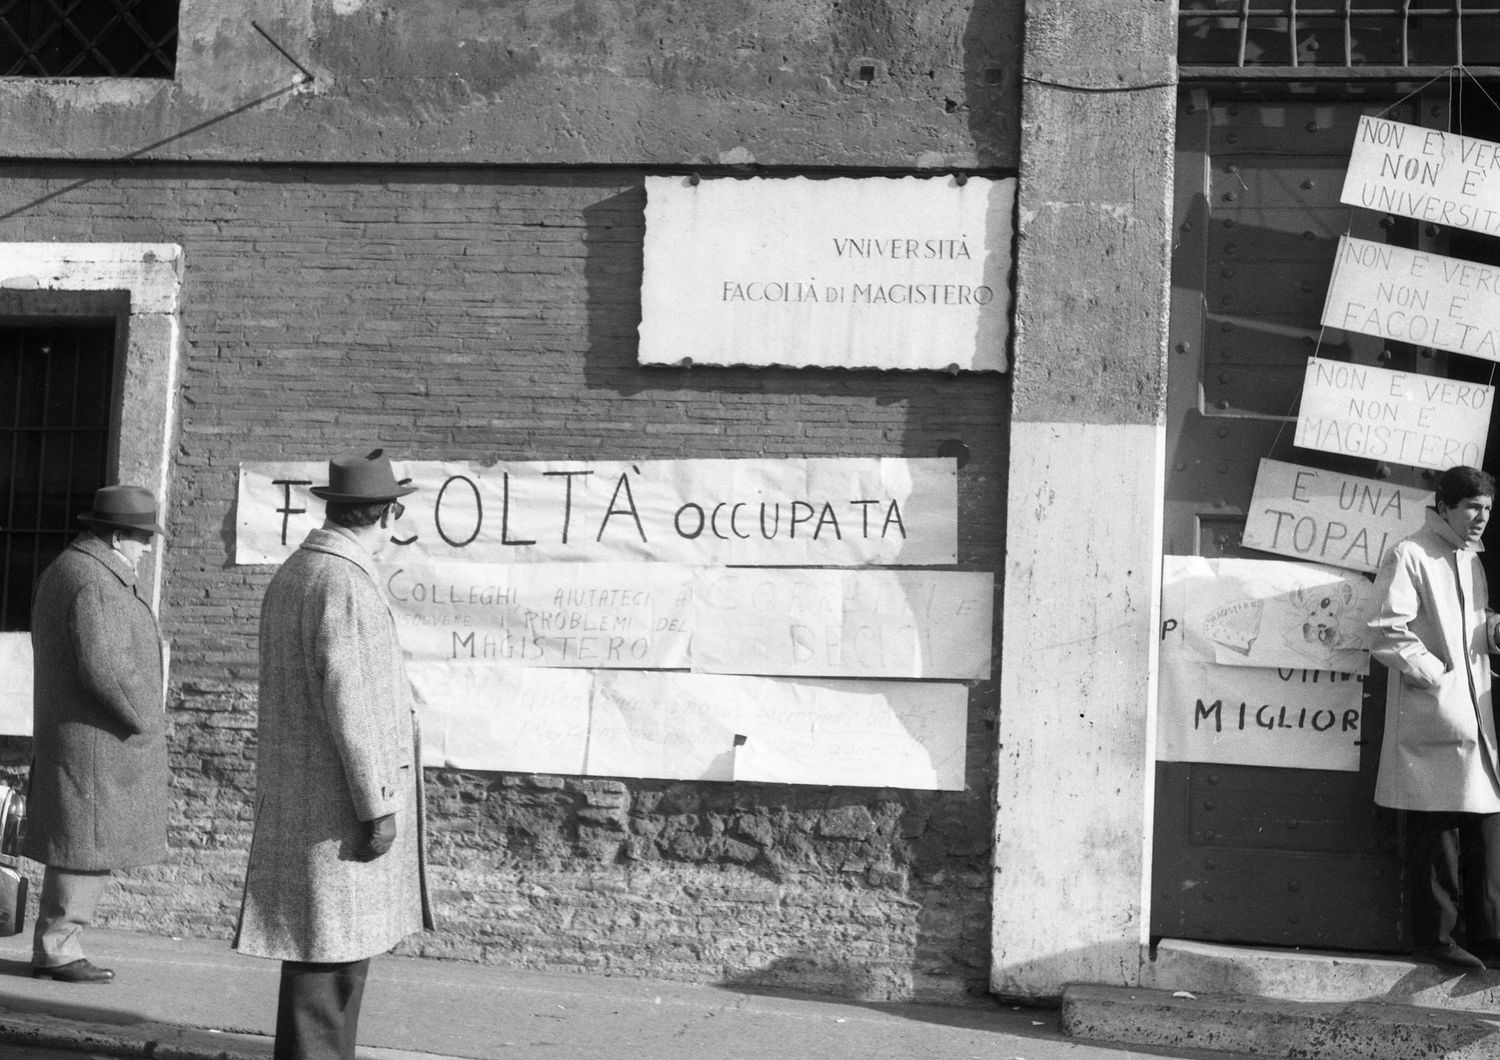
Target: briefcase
(12, 882)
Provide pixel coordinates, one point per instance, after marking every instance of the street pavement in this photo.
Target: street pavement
(195, 999)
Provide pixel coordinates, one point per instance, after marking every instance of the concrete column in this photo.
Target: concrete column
(1083, 537)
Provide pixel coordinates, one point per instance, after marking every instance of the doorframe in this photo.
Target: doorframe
(150, 276)
(1075, 773)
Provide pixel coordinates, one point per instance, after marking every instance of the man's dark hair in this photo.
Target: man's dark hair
(355, 516)
(1459, 483)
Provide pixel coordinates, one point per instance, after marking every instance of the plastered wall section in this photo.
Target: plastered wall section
(905, 83)
(1076, 738)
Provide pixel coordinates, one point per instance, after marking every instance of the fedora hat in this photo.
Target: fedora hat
(124, 507)
(362, 480)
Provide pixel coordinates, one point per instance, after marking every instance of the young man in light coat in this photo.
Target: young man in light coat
(98, 796)
(1438, 761)
(336, 871)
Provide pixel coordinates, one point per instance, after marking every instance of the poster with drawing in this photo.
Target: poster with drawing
(1287, 718)
(1269, 613)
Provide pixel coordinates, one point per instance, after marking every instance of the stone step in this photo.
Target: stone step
(1314, 976)
(1262, 1026)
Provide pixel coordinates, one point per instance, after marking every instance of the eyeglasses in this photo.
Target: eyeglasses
(393, 513)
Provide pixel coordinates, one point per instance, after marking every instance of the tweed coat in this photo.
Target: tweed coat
(1433, 631)
(338, 746)
(98, 795)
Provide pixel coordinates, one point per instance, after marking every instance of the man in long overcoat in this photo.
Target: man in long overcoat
(336, 872)
(98, 794)
(1439, 759)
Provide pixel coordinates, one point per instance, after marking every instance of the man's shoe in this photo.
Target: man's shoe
(79, 971)
(1487, 951)
(1451, 954)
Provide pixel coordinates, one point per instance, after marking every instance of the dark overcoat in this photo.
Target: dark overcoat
(98, 795)
(338, 746)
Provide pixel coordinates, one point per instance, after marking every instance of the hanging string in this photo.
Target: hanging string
(1416, 91)
(1480, 85)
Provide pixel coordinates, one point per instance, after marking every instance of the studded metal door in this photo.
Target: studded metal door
(1279, 856)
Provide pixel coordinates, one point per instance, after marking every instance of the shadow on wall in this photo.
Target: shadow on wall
(992, 81)
(809, 973)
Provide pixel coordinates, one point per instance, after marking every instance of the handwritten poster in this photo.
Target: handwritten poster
(852, 272)
(1272, 613)
(1427, 174)
(679, 726)
(611, 615)
(1329, 517)
(661, 616)
(1415, 296)
(840, 512)
(1289, 717)
(681, 619)
(1403, 417)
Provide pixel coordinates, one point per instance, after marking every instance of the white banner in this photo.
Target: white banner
(662, 616)
(1207, 712)
(678, 726)
(1328, 517)
(852, 272)
(1414, 296)
(795, 512)
(830, 623)
(1402, 417)
(1427, 174)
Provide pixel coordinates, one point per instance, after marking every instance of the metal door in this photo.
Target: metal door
(1289, 857)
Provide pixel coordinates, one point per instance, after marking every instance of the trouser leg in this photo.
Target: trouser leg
(66, 907)
(317, 1010)
(1481, 843)
(1432, 865)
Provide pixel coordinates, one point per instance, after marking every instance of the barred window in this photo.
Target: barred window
(56, 394)
(1318, 35)
(88, 38)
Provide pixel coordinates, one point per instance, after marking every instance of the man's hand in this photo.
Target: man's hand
(379, 835)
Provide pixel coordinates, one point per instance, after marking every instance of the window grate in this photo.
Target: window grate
(1327, 36)
(56, 386)
(88, 38)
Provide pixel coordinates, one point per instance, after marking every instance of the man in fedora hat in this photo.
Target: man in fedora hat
(336, 871)
(98, 796)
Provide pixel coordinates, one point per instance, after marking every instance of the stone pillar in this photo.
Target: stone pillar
(1083, 538)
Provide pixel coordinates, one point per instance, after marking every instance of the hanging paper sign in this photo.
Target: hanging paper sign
(1327, 517)
(1208, 712)
(1402, 417)
(1426, 174)
(1414, 296)
(1270, 613)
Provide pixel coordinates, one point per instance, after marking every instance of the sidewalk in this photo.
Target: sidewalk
(195, 999)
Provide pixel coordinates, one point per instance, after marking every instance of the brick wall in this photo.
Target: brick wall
(473, 314)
